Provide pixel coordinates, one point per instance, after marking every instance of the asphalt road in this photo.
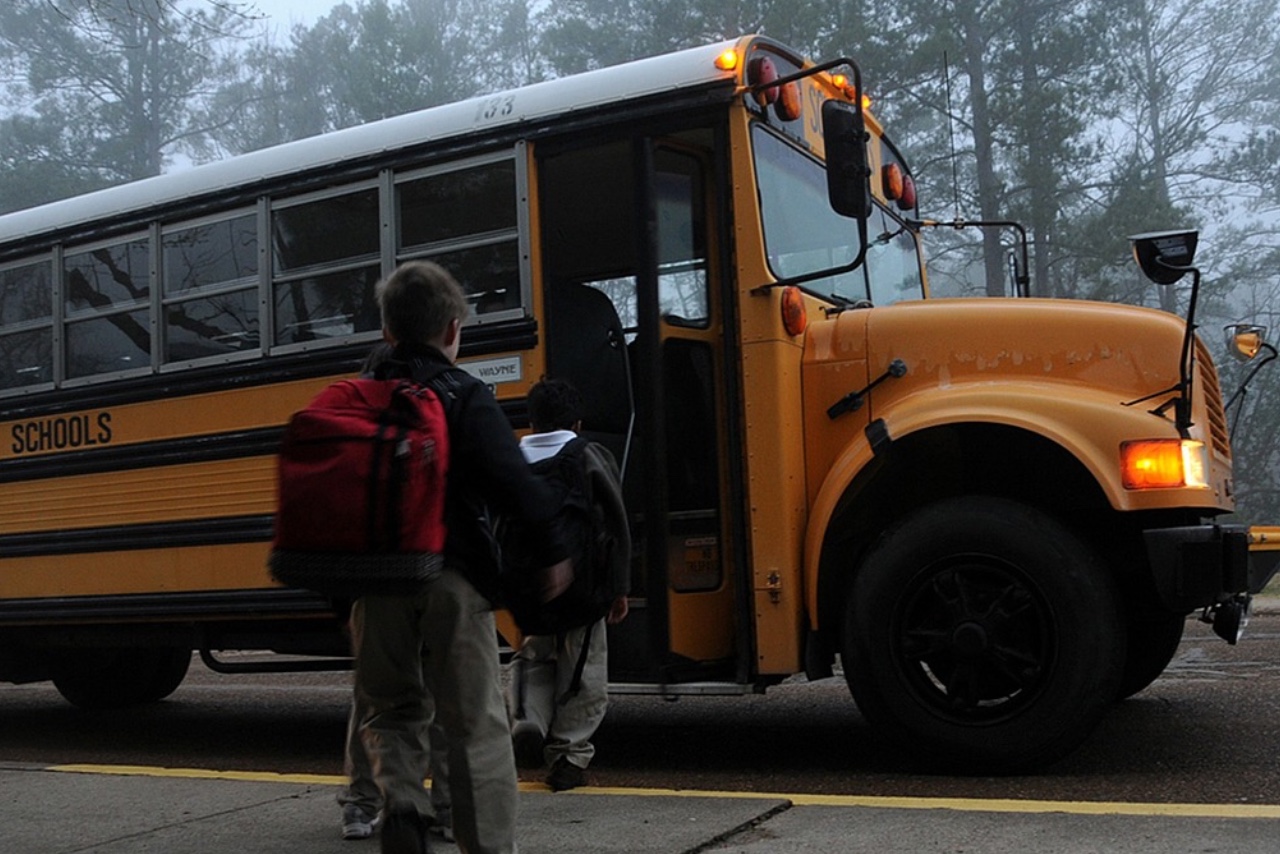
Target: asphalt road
(1205, 732)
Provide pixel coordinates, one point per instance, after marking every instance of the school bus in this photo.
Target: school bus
(994, 515)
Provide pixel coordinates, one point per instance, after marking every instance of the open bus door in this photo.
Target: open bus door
(633, 318)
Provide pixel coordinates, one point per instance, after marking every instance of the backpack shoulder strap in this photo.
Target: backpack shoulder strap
(425, 373)
(433, 375)
(575, 684)
(578, 443)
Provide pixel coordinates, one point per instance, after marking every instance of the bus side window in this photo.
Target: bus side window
(108, 329)
(26, 339)
(326, 260)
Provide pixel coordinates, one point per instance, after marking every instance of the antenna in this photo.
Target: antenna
(1021, 268)
(951, 133)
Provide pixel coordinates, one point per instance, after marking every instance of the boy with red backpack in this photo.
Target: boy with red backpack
(440, 639)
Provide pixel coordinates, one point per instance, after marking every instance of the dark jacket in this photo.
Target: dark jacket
(487, 471)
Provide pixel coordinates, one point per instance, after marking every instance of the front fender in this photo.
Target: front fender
(1087, 424)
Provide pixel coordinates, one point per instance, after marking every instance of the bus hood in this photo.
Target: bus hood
(1127, 351)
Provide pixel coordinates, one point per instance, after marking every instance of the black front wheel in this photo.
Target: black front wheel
(983, 636)
(1154, 635)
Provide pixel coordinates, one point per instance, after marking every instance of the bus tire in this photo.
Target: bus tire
(982, 636)
(1154, 636)
(110, 678)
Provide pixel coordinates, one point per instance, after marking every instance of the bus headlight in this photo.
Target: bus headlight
(1164, 464)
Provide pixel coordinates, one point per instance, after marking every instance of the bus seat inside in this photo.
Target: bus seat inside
(587, 347)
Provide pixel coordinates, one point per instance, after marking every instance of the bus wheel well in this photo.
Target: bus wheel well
(931, 465)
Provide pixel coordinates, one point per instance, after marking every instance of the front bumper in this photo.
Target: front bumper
(1202, 565)
(1264, 556)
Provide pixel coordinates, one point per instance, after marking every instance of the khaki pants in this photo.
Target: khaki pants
(453, 627)
(433, 758)
(542, 672)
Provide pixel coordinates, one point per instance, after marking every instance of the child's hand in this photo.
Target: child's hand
(617, 611)
(554, 580)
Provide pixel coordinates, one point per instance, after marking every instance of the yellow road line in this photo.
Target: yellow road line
(996, 805)
(201, 774)
(970, 804)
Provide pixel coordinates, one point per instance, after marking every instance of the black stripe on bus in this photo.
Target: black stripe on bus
(191, 449)
(168, 606)
(151, 535)
(477, 341)
(166, 452)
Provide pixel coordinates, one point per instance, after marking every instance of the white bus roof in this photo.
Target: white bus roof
(638, 79)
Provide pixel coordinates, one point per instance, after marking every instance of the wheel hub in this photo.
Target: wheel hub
(969, 640)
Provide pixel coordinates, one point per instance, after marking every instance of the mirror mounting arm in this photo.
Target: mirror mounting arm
(1021, 269)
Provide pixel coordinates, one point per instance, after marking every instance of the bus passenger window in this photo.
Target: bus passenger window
(465, 218)
(108, 312)
(326, 261)
(210, 289)
(26, 325)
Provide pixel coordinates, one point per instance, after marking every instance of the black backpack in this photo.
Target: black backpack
(582, 527)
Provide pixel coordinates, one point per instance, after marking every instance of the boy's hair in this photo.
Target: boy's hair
(418, 301)
(554, 405)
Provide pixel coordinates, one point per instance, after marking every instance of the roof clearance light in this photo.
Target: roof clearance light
(891, 181)
(759, 72)
(841, 82)
(727, 61)
(1163, 464)
(795, 317)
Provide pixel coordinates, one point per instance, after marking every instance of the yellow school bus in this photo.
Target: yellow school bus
(994, 515)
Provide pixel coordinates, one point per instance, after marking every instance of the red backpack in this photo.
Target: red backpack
(361, 475)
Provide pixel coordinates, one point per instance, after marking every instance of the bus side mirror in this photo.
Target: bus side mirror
(1165, 256)
(848, 178)
(1246, 340)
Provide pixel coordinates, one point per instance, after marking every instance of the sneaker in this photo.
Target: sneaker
(528, 743)
(565, 775)
(357, 823)
(405, 833)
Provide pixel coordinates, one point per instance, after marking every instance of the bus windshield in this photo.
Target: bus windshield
(803, 234)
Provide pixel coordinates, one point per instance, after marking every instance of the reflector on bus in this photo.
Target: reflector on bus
(761, 72)
(795, 317)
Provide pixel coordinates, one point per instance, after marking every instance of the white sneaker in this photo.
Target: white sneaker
(358, 824)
